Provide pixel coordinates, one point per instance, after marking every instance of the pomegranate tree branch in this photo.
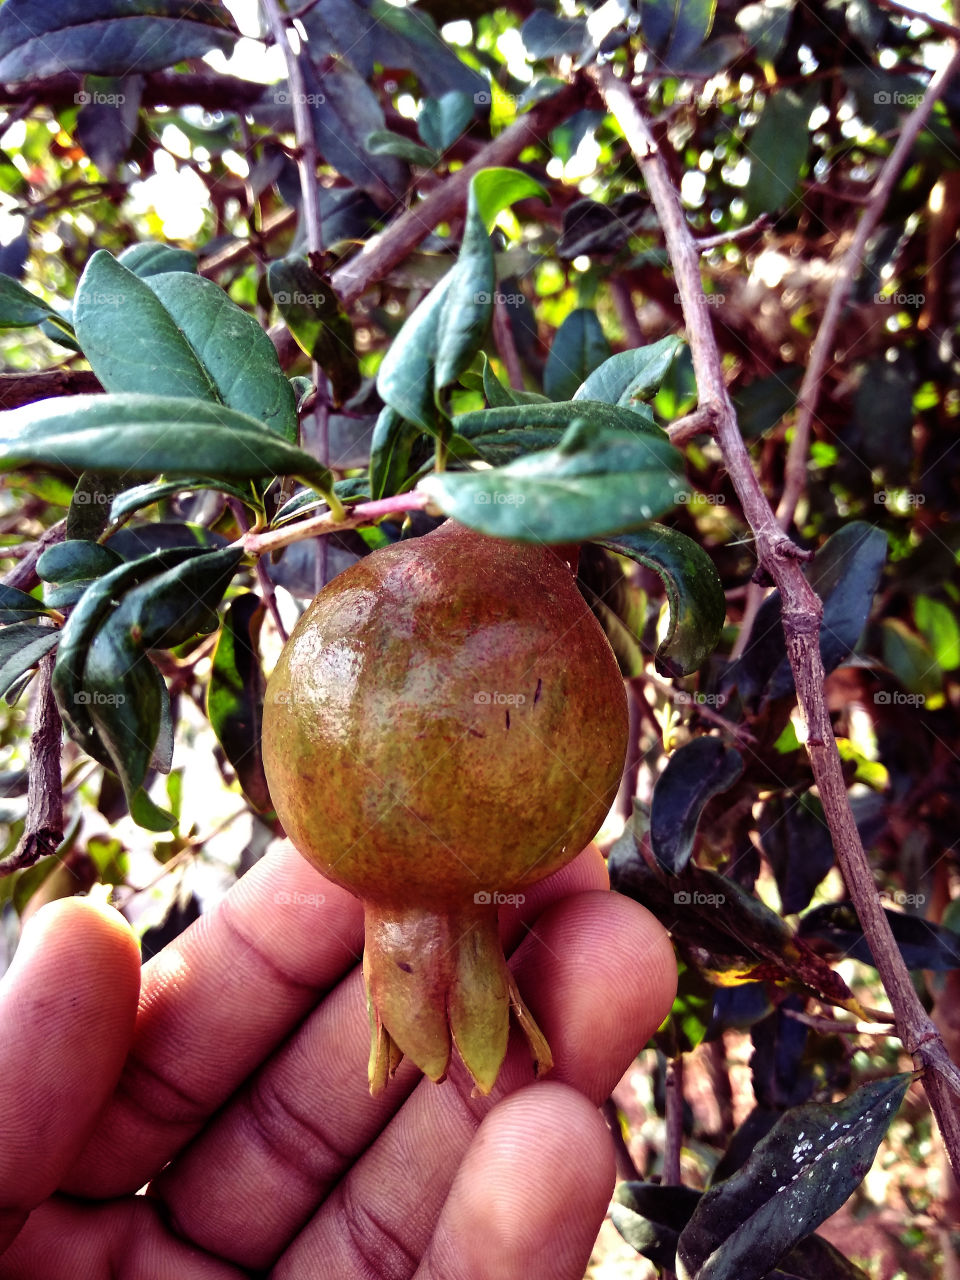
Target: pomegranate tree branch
(256, 544)
(795, 476)
(802, 611)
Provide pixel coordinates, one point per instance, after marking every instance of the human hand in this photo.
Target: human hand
(238, 1091)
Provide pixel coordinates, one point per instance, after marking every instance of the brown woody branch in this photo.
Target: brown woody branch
(160, 89)
(23, 388)
(802, 611)
(23, 575)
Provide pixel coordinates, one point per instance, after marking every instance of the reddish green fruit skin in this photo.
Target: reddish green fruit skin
(447, 720)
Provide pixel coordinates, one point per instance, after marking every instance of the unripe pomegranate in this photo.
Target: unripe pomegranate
(445, 726)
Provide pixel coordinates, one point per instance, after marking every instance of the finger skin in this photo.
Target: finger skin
(255, 1175)
(67, 1010)
(599, 976)
(530, 1195)
(123, 1240)
(215, 1003)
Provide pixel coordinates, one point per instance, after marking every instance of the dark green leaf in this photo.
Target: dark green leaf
(694, 592)
(107, 119)
(816, 1259)
(765, 25)
(650, 1218)
(798, 1175)
(149, 435)
(547, 36)
(40, 38)
(579, 346)
(408, 37)
(345, 111)
(149, 259)
(620, 605)
(89, 511)
(137, 541)
(798, 845)
(442, 120)
(844, 573)
(910, 659)
(76, 560)
(18, 635)
(674, 30)
(235, 695)
(468, 302)
(922, 945)
(16, 605)
(778, 151)
(144, 495)
(313, 315)
(595, 483)
(695, 773)
(630, 376)
(762, 403)
(495, 393)
(406, 375)
(24, 659)
(381, 142)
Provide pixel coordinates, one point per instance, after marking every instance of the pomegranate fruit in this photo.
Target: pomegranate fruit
(445, 726)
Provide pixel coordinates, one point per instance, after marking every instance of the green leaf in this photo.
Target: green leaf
(235, 695)
(910, 660)
(778, 149)
(545, 35)
(797, 1176)
(129, 501)
(940, 629)
(149, 435)
(234, 351)
(382, 142)
(650, 1218)
(496, 189)
(695, 773)
(311, 311)
(798, 845)
(149, 259)
(561, 416)
(177, 333)
(129, 337)
(390, 447)
(406, 376)
(442, 120)
(15, 605)
(19, 308)
(41, 38)
(595, 483)
(495, 393)
(24, 659)
(694, 592)
(468, 302)
(578, 347)
(630, 376)
(124, 694)
(674, 30)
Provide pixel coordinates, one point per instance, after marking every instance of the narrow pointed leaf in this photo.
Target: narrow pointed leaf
(312, 313)
(579, 346)
(145, 435)
(559, 415)
(150, 259)
(694, 592)
(630, 376)
(16, 605)
(650, 1218)
(19, 308)
(798, 1175)
(593, 484)
(922, 944)
(14, 667)
(442, 120)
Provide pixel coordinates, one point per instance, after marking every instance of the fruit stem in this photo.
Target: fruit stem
(435, 981)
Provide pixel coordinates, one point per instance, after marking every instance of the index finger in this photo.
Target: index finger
(213, 1005)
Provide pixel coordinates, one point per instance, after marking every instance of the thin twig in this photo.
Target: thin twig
(256, 544)
(938, 25)
(24, 388)
(680, 697)
(43, 832)
(626, 311)
(795, 475)
(802, 611)
(23, 575)
(506, 347)
(674, 1126)
(267, 589)
(700, 422)
(626, 1165)
(705, 243)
